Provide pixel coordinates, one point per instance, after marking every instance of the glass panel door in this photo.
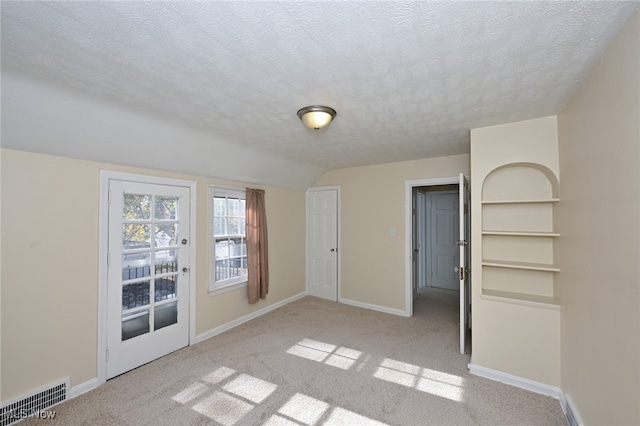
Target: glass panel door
(148, 273)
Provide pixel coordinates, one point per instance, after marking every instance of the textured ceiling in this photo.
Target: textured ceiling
(408, 79)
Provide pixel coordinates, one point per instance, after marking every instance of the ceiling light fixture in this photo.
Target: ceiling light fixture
(316, 116)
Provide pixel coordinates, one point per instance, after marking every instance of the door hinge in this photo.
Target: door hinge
(108, 259)
(107, 353)
(109, 197)
(462, 273)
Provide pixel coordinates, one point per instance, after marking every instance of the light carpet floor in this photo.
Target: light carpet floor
(315, 362)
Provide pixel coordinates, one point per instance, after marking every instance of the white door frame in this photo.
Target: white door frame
(408, 229)
(338, 218)
(103, 247)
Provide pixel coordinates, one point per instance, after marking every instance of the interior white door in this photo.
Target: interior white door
(148, 273)
(322, 231)
(464, 265)
(443, 247)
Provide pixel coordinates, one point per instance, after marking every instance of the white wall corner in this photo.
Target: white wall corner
(372, 307)
(238, 321)
(516, 381)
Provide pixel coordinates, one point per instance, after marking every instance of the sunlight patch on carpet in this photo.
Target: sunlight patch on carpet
(426, 380)
(223, 408)
(304, 409)
(228, 396)
(192, 392)
(340, 416)
(423, 379)
(251, 388)
(219, 375)
(308, 353)
(339, 357)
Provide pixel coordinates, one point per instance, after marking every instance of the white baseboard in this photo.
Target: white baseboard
(236, 322)
(374, 307)
(516, 381)
(570, 410)
(82, 388)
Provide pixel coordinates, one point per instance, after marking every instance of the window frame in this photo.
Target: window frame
(217, 287)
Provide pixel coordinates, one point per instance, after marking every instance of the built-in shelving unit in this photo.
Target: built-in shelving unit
(518, 234)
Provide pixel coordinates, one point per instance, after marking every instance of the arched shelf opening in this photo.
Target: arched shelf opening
(520, 182)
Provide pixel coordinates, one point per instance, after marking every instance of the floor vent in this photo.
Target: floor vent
(34, 405)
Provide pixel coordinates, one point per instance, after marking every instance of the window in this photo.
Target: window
(228, 242)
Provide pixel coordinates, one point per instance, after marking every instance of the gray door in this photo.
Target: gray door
(443, 247)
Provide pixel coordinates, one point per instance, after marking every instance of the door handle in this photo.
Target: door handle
(332, 250)
(185, 270)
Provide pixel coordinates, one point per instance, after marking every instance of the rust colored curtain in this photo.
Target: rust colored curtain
(257, 248)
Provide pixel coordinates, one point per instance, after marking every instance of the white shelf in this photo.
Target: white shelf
(521, 265)
(521, 299)
(530, 201)
(522, 233)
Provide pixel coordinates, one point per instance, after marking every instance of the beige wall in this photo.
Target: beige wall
(49, 261)
(512, 335)
(372, 204)
(599, 219)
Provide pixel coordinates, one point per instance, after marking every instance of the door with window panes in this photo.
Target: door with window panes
(148, 273)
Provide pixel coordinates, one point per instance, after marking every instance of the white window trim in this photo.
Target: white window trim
(215, 289)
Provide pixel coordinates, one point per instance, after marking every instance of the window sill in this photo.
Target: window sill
(225, 288)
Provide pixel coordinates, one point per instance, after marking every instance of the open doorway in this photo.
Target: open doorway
(437, 241)
(435, 237)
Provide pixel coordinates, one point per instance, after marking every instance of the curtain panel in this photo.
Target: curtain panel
(257, 247)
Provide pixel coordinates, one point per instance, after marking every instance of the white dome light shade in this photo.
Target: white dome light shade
(316, 119)
(316, 116)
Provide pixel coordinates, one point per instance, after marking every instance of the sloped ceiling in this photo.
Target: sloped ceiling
(408, 79)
